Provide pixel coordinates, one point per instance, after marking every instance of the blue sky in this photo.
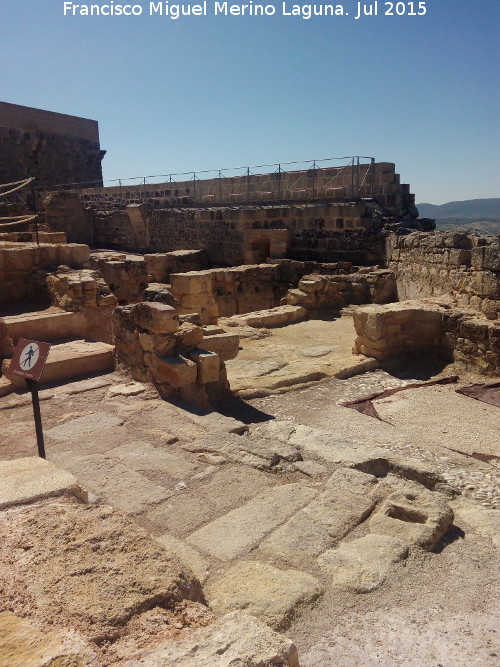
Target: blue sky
(210, 92)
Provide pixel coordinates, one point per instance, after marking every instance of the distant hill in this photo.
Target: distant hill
(480, 215)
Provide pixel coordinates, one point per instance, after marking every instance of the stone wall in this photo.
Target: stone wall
(320, 294)
(395, 331)
(177, 359)
(55, 148)
(242, 289)
(459, 264)
(312, 184)
(161, 265)
(24, 267)
(125, 275)
(65, 213)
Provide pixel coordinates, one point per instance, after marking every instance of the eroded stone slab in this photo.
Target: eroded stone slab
(274, 596)
(419, 518)
(236, 639)
(125, 489)
(364, 564)
(32, 478)
(23, 645)
(143, 457)
(91, 563)
(81, 427)
(186, 554)
(244, 527)
(328, 518)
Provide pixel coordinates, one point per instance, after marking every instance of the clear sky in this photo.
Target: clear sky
(205, 92)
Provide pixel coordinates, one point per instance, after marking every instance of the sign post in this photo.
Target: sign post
(28, 361)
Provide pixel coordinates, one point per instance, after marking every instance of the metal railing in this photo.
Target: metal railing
(337, 179)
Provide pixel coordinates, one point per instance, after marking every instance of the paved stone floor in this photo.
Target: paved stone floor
(299, 511)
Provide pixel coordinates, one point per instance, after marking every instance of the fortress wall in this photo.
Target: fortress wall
(54, 147)
(459, 264)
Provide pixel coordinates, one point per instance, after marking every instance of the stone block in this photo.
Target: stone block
(244, 527)
(155, 317)
(226, 345)
(26, 480)
(208, 364)
(99, 567)
(235, 639)
(416, 518)
(364, 564)
(189, 335)
(176, 370)
(273, 596)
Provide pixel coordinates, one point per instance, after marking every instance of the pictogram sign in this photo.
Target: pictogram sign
(29, 359)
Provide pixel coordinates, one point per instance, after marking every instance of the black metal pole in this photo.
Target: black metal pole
(34, 209)
(33, 387)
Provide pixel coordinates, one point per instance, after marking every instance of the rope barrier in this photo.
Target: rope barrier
(17, 222)
(23, 185)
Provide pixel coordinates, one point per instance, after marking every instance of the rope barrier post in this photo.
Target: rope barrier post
(34, 209)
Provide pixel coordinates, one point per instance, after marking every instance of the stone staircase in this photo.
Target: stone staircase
(71, 355)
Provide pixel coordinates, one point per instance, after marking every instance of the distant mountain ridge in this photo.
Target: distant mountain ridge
(481, 215)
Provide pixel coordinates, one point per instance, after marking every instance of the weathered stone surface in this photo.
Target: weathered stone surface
(236, 639)
(189, 335)
(155, 317)
(364, 564)
(208, 364)
(226, 345)
(28, 479)
(273, 317)
(273, 596)
(186, 554)
(179, 515)
(417, 518)
(484, 521)
(327, 518)
(244, 527)
(94, 566)
(123, 488)
(233, 485)
(82, 427)
(144, 457)
(23, 645)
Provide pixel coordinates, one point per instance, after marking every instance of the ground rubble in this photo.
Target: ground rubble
(156, 535)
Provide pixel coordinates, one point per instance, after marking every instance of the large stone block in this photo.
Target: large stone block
(155, 317)
(226, 345)
(416, 518)
(273, 596)
(208, 364)
(175, 369)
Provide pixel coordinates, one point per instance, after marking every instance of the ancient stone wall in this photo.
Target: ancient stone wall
(161, 265)
(347, 181)
(242, 289)
(329, 293)
(24, 267)
(177, 359)
(459, 264)
(416, 328)
(55, 148)
(64, 213)
(125, 275)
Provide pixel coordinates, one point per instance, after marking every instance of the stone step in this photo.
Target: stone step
(272, 317)
(70, 360)
(47, 326)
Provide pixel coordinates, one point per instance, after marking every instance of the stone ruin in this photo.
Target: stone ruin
(275, 514)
